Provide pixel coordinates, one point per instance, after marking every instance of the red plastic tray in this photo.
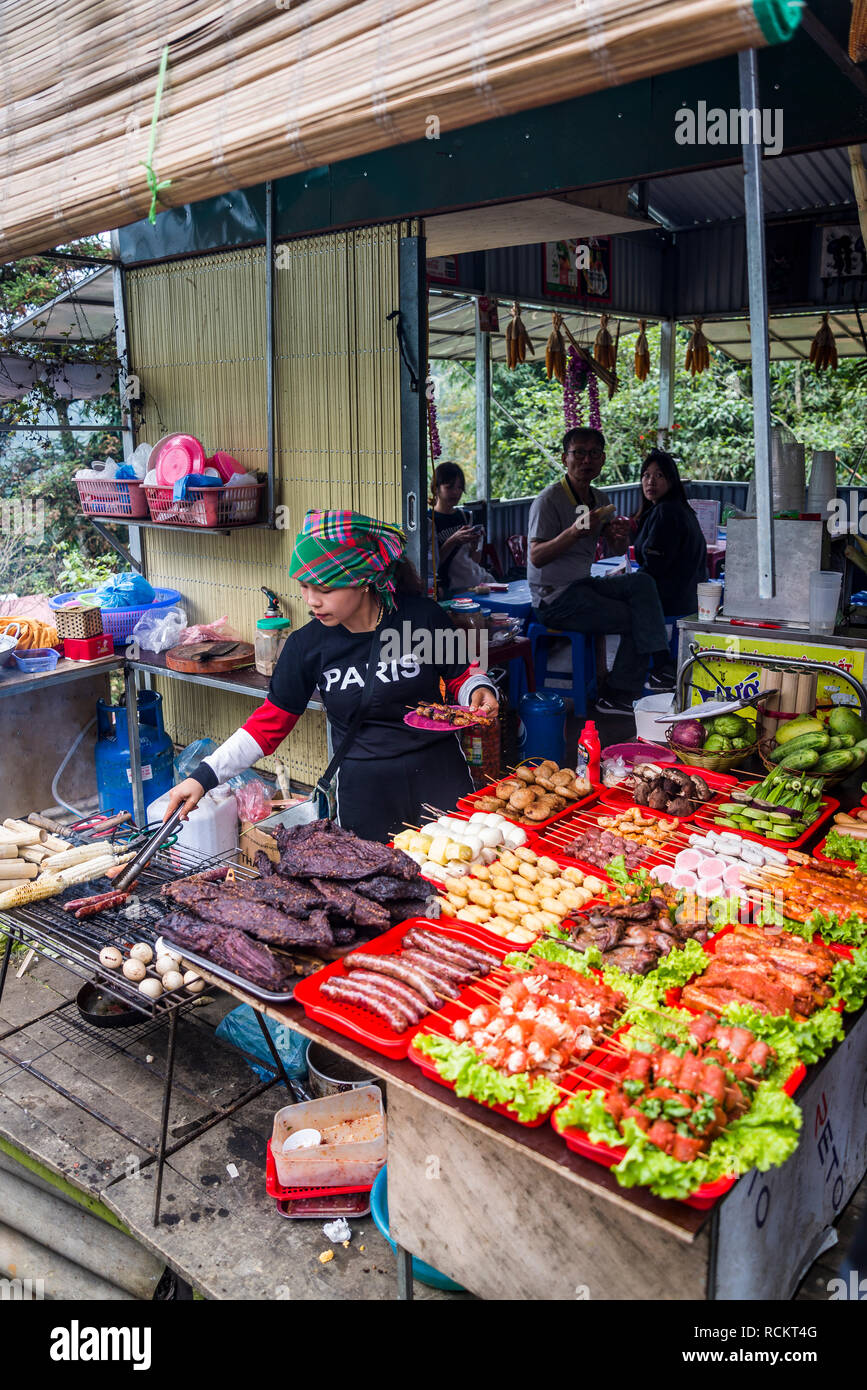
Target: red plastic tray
(467, 804)
(275, 1188)
(673, 995)
(717, 781)
(354, 1021)
(489, 938)
(557, 837)
(829, 807)
(577, 1140)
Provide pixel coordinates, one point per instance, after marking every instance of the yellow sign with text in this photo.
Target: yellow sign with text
(739, 674)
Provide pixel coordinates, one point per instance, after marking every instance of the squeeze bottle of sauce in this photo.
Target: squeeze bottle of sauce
(589, 753)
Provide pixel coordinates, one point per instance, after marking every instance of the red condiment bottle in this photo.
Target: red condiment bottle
(590, 752)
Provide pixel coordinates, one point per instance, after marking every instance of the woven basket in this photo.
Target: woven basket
(78, 622)
(808, 771)
(711, 762)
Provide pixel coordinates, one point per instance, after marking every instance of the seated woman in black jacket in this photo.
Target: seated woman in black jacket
(669, 545)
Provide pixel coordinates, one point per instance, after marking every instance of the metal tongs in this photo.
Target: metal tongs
(147, 852)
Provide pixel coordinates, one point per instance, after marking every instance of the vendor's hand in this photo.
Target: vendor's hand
(484, 698)
(187, 794)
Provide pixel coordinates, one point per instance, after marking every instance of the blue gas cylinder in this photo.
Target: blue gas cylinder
(113, 779)
(542, 727)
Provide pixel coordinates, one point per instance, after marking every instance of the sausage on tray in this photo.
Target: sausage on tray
(458, 948)
(346, 992)
(379, 990)
(441, 983)
(390, 965)
(422, 942)
(426, 961)
(98, 902)
(410, 997)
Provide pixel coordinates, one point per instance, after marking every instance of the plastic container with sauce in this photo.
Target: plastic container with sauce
(346, 1164)
(465, 612)
(271, 634)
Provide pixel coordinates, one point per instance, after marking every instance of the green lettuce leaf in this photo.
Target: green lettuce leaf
(850, 931)
(838, 846)
(792, 1041)
(476, 1080)
(849, 980)
(763, 1138)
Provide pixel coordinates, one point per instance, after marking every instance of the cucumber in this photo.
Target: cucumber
(783, 817)
(724, 820)
(754, 813)
(837, 761)
(791, 833)
(801, 759)
(819, 740)
(841, 741)
(731, 808)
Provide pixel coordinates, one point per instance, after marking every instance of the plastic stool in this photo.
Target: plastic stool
(583, 662)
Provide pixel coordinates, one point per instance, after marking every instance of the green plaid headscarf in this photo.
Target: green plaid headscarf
(345, 549)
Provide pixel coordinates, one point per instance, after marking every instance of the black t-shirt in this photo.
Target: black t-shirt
(445, 525)
(418, 646)
(670, 546)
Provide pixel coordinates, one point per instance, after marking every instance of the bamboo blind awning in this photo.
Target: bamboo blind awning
(265, 88)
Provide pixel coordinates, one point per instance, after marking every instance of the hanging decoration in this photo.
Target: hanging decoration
(436, 447)
(579, 376)
(614, 382)
(823, 349)
(642, 352)
(555, 351)
(697, 350)
(858, 31)
(603, 349)
(518, 342)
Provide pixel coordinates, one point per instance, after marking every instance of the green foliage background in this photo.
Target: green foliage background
(713, 421)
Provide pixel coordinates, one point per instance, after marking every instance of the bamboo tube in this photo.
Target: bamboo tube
(16, 868)
(804, 703)
(8, 851)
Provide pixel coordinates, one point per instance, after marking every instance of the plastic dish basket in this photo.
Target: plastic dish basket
(119, 622)
(206, 506)
(36, 659)
(77, 624)
(107, 497)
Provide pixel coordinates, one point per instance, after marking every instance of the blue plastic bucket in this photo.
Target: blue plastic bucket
(424, 1273)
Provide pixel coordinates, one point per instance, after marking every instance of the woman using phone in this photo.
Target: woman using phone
(366, 606)
(455, 541)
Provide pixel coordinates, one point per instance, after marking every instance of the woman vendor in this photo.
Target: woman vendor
(365, 600)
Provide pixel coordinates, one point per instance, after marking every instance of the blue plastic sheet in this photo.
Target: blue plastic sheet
(241, 1029)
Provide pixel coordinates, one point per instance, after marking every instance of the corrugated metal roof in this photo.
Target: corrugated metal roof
(791, 183)
(790, 335)
(82, 314)
(452, 319)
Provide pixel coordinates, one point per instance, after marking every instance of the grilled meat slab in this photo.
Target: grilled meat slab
(229, 947)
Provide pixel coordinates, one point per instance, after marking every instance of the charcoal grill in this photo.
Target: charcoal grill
(47, 930)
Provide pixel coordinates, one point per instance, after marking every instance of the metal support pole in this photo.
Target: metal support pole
(131, 688)
(7, 952)
(278, 1060)
(404, 1274)
(483, 411)
(666, 383)
(412, 343)
(748, 75)
(270, 414)
(122, 340)
(164, 1123)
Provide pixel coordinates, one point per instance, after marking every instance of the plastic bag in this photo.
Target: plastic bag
(157, 631)
(254, 800)
(241, 1029)
(220, 631)
(127, 590)
(192, 755)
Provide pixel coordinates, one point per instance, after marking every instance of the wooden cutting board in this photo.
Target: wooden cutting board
(205, 659)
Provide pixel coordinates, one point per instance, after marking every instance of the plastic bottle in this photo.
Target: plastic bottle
(271, 634)
(589, 753)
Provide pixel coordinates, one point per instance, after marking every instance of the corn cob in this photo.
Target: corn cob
(858, 31)
(77, 855)
(697, 350)
(92, 868)
(613, 384)
(47, 886)
(555, 351)
(642, 352)
(823, 349)
(518, 342)
(603, 348)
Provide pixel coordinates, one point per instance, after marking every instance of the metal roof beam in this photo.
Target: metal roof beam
(833, 50)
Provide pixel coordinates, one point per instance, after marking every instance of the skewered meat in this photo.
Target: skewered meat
(395, 1015)
(390, 965)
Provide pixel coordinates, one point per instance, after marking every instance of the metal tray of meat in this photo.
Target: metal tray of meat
(221, 975)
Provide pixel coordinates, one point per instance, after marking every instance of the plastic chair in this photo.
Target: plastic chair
(518, 550)
(583, 662)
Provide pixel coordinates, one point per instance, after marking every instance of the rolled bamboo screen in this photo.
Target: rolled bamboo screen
(268, 87)
(197, 342)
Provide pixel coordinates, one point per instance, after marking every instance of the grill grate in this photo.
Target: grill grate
(48, 930)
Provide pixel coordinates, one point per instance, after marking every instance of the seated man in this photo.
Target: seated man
(566, 521)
